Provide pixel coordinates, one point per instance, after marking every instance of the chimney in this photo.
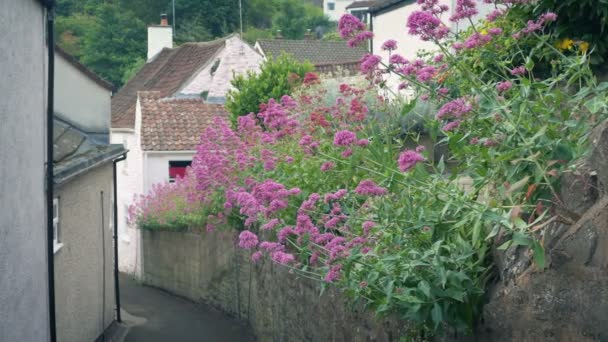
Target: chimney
(159, 36)
(163, 20)
(279, 35)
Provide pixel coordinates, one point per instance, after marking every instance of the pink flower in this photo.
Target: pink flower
(270, 224)
(443, 91)
(349, 25)
(474, 141)
(333, 274)
(504, 86)
(450, 126)
(255, 257)
(495, 31)
(367, 226)
(360, 38)
(455, 108)
(420, 148)
(248, 240)
(389, 45)
(492, 16)
(327, 166)
(397, 59)
(347, 153)
(363, 142)
(408, 159)
(282, 257)
(464, 9)
(369, 63)
(369, 188)
(426, 25)
(520, 70)
(344, 138)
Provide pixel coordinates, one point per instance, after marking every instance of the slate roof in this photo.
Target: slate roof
(75, 152)
(362, 4)
(174, 124)
(385, 5)
(318, 52)
(166, 73)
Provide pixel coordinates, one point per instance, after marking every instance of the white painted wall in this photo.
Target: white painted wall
(130, 182)
(157, 165)
(159, 37)
(339, 8)
(79, 99)
(236, 58)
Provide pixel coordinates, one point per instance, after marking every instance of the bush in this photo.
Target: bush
(277, 77)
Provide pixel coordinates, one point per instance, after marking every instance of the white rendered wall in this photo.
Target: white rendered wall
(159, 37)
(130, 183)
(339, 9)
(236, 58)
(157, 165)
(79, 99)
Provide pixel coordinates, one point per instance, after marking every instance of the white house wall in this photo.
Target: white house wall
(23, 262)
(339, 10)
(236, 58)
(130, 183)
(157, 166)
(79, 99)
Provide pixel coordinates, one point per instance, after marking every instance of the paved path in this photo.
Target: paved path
(164, 317)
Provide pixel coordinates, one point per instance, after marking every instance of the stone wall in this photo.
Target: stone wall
(279, 306)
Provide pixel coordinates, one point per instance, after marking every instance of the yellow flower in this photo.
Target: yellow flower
(484, 32)
(583, 46)
(565, 44)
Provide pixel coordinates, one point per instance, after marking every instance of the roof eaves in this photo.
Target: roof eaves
(388, 5)
(79, 165)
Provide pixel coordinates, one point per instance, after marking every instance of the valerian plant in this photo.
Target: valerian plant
(330, 185)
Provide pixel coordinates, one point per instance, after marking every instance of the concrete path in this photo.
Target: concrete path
(158, 316)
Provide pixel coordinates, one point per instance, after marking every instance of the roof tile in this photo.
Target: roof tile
(174, 124)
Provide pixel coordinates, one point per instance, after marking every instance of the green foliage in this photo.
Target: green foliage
(584, 20)
(113, 43)
(277, 77)
(129, 73)
(252, 34)
(295, 17)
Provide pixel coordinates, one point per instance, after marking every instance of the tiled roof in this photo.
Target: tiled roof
(316, 51)
(362, 4)
(174, 124)
(165, 73)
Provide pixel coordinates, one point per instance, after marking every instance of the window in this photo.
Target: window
(56, 232)
(360, 14)
(331, 6)
(177, 169)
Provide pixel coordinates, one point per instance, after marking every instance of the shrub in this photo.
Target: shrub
(277, 77)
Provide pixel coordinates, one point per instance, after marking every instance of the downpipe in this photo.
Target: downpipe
(116, 281)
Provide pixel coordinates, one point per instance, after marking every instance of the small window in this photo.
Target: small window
(56, 229)
(331, 6)
(177, 169)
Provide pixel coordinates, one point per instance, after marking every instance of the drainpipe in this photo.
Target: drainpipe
(50, 25)
(116, 283)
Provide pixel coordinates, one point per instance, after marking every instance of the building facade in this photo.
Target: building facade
(24, 314)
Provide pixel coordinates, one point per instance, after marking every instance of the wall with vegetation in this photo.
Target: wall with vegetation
(280, 306)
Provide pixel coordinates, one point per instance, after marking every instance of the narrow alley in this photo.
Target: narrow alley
(165, 317)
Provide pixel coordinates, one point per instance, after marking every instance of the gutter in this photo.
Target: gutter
(116, 282)
(50, 28)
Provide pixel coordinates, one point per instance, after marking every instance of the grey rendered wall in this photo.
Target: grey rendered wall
(23, 266)
(278, 305)
(84, 264)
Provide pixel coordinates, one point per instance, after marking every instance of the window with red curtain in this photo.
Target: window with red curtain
(177, 169)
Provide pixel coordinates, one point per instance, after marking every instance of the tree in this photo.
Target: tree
(277, 77)
(114, 43)
(294, 17)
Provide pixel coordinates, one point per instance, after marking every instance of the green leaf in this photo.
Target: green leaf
(436, 315)
(539, 254)
(408, 107)
(425, 288)
(520, 239)
(595, 104)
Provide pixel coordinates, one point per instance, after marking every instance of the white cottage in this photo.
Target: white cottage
(188, 84)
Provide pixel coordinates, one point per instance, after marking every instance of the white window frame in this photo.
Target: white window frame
(56, 228)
